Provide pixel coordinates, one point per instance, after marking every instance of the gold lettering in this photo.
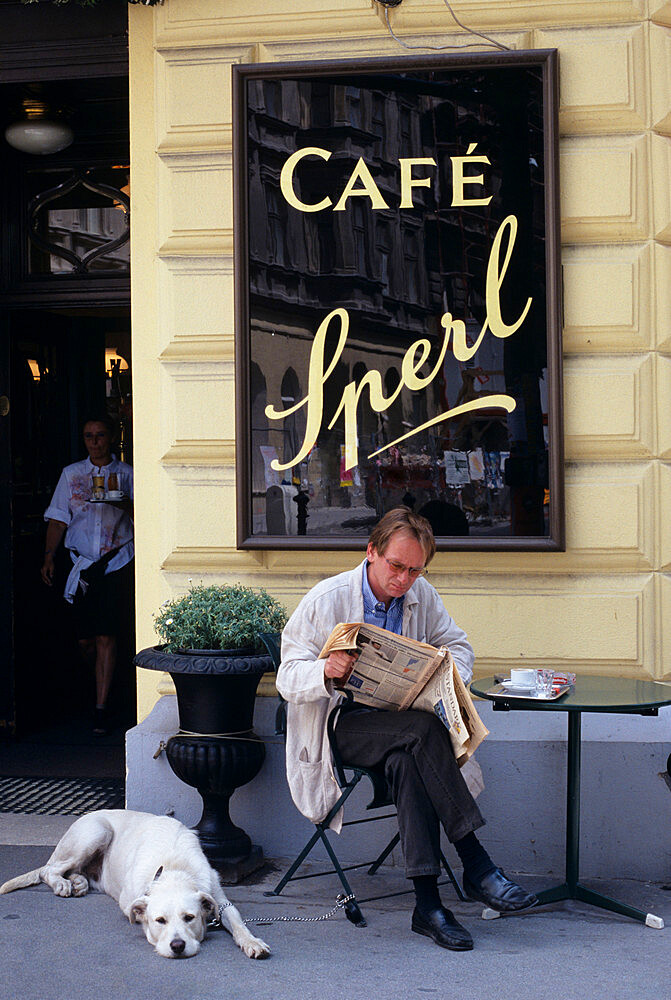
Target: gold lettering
(496, 272)
(378, 401)
(349, 402)
(459, 181)
(486, 403)
(495, 275)
(369, 189)
(408, 182)
(315, 397)
(414, 359)
(287, 179)
(410, 366)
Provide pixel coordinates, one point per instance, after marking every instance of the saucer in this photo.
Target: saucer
(107, 499)
(529, 689)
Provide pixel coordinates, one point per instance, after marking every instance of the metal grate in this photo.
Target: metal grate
(60, 796)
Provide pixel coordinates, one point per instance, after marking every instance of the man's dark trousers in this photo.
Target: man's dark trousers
(414, 751)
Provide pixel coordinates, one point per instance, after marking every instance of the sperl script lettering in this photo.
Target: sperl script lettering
(415, 357)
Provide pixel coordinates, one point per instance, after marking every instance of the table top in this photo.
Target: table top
(593, 693)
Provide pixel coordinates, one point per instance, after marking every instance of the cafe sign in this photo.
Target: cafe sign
(398, 331)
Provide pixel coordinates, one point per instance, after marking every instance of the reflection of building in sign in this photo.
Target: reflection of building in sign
(294, 425)
(396, 271)
(259, 424)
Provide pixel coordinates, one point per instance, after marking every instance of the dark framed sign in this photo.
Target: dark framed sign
(398, 329)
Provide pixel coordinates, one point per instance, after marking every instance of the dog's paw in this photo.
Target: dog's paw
(255, 948)
(61, 886)
(80, 885)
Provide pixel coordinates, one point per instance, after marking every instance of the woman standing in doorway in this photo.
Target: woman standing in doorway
(99, 536)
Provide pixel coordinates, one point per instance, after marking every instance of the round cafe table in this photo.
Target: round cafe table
(617, 695)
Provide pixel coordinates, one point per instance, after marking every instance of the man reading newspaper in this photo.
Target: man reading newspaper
(412, 747)
(394, 672)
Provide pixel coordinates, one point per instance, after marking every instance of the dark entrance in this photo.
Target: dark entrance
(64, 326)
(54, 367)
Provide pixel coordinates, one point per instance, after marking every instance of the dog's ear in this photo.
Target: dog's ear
(138, 910)
(208, 905)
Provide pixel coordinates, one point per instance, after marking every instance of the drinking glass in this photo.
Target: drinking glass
(544, 680)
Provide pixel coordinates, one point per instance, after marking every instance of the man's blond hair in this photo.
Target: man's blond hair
(402, 519)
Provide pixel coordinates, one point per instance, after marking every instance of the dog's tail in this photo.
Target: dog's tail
(22, 881)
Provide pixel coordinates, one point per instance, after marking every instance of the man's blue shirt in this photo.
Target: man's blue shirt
(374, 611)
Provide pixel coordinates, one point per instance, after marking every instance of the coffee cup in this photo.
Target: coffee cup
(523, 678)
(114, 495)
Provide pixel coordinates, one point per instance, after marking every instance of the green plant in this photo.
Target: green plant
(224, 616)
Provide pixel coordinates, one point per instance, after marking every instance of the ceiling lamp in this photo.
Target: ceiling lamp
(37, 133)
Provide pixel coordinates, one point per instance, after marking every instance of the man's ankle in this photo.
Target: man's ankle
(427, 897)
(477, 863)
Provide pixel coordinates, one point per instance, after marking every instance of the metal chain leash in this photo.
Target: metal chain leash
(260, 921)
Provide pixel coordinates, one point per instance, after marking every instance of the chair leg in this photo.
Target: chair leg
(452, 877)
(385, 854)
(319, 834)
(352, 911)
(287, 877)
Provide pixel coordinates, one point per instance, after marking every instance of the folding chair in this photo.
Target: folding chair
(381, 800)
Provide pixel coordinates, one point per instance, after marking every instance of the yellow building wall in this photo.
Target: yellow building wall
(604, 605)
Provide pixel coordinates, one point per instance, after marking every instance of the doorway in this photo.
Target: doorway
(59, 366)
(64, 306)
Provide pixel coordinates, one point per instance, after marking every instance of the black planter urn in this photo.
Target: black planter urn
(216, 749)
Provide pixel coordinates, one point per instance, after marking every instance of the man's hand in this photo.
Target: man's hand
(339, 665)
(47, 571)
(55, 531)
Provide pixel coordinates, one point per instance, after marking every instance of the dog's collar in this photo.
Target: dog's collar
(218, 921)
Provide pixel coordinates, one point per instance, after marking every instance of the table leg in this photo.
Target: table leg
(571, 888)
(567, 890)
(573, 799)
(586, 895)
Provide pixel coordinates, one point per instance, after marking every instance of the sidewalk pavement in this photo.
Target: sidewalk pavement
(76, 949)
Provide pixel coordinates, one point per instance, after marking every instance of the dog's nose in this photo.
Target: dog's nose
(177, 946)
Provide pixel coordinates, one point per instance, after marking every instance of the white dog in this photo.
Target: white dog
(156, 870)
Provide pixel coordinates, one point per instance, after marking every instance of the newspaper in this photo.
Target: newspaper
(447, 696)
(396, 673)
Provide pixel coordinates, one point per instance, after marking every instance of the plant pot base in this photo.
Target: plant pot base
(215, 768)
(234, 870)
(216, 750)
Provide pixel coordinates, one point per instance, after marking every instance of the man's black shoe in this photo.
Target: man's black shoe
(499, 893)
(442, 926)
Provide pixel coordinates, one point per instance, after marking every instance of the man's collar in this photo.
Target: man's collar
(370, 601)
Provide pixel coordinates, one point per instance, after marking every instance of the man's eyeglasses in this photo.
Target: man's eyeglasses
(397, 567)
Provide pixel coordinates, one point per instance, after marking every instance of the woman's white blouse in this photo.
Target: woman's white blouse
(93, 529)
